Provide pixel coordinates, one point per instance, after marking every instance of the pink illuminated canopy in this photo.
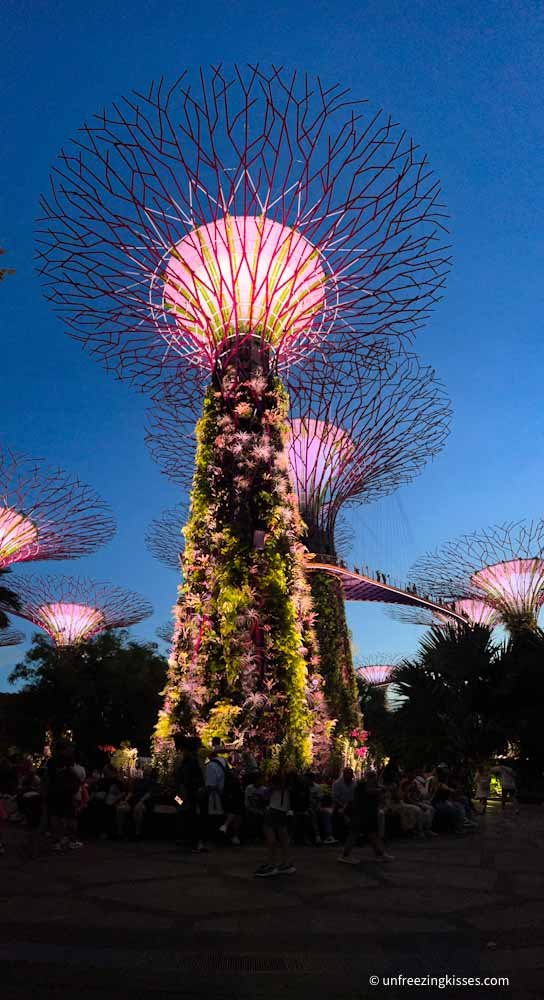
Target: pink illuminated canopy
(475, 611)
(18, 537)
(243, 274)
(376, 674)
(68, 624)
(317, 452)
(514, 585)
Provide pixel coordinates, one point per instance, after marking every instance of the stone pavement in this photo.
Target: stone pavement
(144, 920)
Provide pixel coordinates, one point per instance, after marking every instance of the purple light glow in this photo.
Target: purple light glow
(377, 674)
(68, 624)
(475, 611)
(517, 584)
(18, 537)
(73, 610)
(242, 274)
(317, 453)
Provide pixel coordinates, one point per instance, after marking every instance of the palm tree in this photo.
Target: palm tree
(448, 707)
(8, 600)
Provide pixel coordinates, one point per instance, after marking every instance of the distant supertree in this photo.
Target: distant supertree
(164, 537)
(10, 637)
(72, 610)
(45, 513)
(215, 236)
(474, 610)
(503, 566)
(377, 673)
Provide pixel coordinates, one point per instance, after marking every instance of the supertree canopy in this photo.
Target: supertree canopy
(252, 204)
(358, 433)
(474, 610)
(47, 514)
(503, 566)
(164, 537)
(377, 674)
(72, 610)
(212, 237)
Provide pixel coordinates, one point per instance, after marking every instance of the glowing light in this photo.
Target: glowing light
(68, 624)
(244, 274)
(517, 584)
(477, 612)
(379, 673)
(317, 452)
(18, 537)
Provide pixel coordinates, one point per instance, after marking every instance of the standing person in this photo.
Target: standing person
(215, 780)
(343, 790)
(365, 820)
(482, 786)
(32, 807)
(275, 829)
(63, 785)
(233, 803)
(508, 785)
(191, 795)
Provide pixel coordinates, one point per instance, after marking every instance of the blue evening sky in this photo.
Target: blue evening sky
(465, 79)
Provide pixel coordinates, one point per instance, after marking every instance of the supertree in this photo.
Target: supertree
(218, 235)
(502, 565)
(355, 433)
(73, 610)
(10, 637)
(45, 513)
(473, 610)
(164, 537)
(379, 674)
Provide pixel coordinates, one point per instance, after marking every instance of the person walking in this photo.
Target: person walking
(365, 821)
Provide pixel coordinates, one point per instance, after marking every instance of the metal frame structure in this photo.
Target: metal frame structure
(356, 433)
(472, 609)
(11, 637)
(252, 204)
(377, 672)
(502, 565)
(45, 513)
(164, 537)
(73, 610)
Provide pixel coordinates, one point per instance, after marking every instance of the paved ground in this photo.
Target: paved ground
(143, 920)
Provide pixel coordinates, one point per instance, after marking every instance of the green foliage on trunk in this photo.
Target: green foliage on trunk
(336, 660)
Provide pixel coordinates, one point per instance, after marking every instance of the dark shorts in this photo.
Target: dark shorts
(275, 819)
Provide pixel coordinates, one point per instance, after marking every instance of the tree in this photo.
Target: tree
(105, 691)
(519, 695)
(449, 708)
(8, 599)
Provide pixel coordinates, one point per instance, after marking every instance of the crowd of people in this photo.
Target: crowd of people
(212, 795)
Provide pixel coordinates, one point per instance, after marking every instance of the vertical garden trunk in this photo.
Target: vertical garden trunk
(244, 658)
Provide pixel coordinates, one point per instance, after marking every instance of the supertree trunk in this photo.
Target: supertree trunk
(244, 657)
(333, 637)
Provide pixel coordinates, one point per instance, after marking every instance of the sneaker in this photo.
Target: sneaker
(330, 840)
(199, 849)
(349, 860)
(384, 857)
(266, 871)
(74, 845)
(288, 869)
(223, 828)
(235, 841)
